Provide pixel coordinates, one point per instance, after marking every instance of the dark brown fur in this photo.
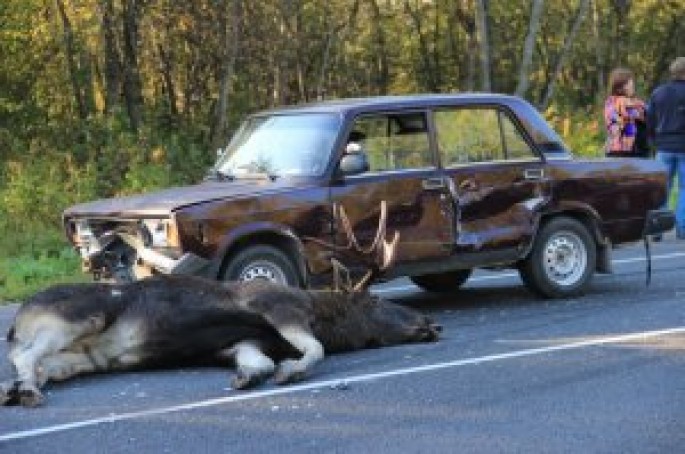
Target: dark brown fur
(69, 330)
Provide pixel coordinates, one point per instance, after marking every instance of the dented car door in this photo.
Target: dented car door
(497, 178)
(403, 172)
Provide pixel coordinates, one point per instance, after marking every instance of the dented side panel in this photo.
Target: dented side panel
(213, 230)
(499, 205)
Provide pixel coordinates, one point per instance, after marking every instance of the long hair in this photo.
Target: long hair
(618, 79)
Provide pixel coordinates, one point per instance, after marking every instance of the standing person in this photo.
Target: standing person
(666, 120)
(624, 117)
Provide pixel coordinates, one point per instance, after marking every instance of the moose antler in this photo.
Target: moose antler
(378, 256)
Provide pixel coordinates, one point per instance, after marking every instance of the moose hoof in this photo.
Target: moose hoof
(30, 396)
(289, 371)
(244, 381)
(9, 393)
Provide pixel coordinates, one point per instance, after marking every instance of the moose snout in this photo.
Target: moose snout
(429, 332)
(434, 332)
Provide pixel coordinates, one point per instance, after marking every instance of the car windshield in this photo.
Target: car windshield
(279, 145)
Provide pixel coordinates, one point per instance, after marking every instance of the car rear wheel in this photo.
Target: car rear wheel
(442, 282)
(562, 261)
(262, 262)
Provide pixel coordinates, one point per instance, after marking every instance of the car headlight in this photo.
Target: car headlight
(83, 233)
(160, 233)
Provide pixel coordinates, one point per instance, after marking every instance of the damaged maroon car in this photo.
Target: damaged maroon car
(470, 181)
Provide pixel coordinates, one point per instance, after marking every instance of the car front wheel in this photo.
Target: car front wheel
(442, 282)
(562, 261)
(262, 262)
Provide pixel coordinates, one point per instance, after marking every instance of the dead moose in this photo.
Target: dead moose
(261, 328)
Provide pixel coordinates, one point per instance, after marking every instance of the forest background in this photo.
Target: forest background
(101, 98)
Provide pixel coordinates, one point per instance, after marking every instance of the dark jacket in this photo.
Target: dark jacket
(666, 116)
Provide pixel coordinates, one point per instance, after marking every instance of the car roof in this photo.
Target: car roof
(380, 103)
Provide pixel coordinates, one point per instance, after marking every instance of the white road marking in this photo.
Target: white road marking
(331, 383)
(400, 288)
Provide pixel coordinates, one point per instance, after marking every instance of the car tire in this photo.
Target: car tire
(562, 261)
(446, 282)
(262, 262)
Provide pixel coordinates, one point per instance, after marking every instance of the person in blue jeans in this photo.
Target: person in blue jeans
(666, 123)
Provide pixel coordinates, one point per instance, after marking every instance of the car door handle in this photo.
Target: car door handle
(433, 184)
(533, 174)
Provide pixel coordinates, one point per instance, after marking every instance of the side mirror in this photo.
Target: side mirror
(354, 160)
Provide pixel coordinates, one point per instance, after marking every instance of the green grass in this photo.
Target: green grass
(22, 276)
(33, 259)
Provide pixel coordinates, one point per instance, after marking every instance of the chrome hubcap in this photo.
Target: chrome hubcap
(263, 270)
(565, 258)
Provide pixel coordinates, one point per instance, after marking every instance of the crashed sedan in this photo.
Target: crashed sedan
(470, 181)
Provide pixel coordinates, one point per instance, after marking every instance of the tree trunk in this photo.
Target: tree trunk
(662, 61)
(599, 52)
(133, 92)
(482, 25)
(338, 32)
(71, 61)
(168, 80)
(527, 58)
(436, 53)
(231, 49)
(382, 73)
(453, 42)
(112, 57)
(622, 8)
(563, 53)
(424, 52)
(468, 23)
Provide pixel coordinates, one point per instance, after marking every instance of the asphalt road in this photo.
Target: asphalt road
(512, 373)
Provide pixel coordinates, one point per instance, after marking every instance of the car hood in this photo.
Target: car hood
(163, 203)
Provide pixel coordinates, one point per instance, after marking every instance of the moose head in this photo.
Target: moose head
(378, 322)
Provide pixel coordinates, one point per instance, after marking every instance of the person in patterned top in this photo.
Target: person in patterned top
(624, 116)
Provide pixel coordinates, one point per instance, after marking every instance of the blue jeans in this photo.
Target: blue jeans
(675, 165)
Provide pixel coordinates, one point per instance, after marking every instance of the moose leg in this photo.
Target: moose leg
(291, 370)
(9, 392)
(25, 359)
(58, 366)
(252, 365)
(64, 365)
(45, 336)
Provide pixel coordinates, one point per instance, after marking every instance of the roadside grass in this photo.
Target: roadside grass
(33, 259)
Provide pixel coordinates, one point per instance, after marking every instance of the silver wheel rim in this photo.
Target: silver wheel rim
(565, 258)
(264, 270)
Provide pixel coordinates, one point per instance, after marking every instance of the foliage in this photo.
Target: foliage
(581, 130)
(33, 258)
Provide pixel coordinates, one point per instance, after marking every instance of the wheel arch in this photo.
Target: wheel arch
(280, 237)
(591, 219)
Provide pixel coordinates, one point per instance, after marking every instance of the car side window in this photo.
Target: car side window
(393, 141)
(515, 145)
(482, 134)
